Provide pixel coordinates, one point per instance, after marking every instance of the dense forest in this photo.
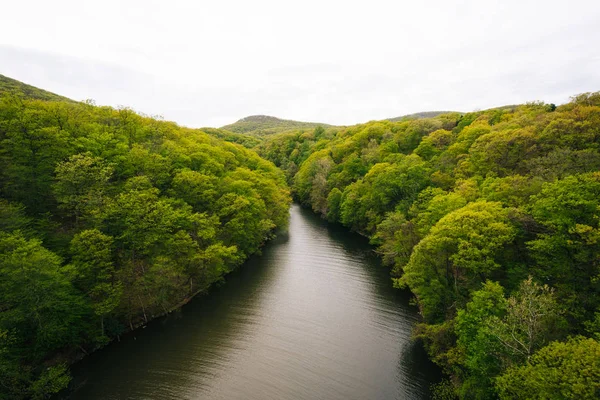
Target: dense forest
(492, 220)
(109, 218)
(9, 85)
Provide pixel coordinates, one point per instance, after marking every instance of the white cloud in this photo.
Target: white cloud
(210, 63)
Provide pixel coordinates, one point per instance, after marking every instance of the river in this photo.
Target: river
(314, 317)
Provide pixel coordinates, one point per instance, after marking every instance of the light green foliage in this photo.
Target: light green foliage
(434, 144)
(503, 153)
(512, 191)
(80, 186)
(451, 201)
(318, 192)
(196, 188)
(561, 370)
(457, 254)
(385, 185)
(51, 381)
(248, 141)
(140, 161)
(8, 85)
(109, 218)
(314, 169)
(433, 204)
(454, 200)
(396, 236)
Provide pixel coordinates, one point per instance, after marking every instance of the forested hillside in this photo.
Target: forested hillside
(108, 219)
(420, 115)
(263, 125)
(492, 220)
(8, 85)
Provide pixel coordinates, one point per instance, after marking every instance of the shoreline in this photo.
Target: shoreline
(76, 355)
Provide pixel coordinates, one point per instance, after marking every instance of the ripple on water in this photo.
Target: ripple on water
(314, 317)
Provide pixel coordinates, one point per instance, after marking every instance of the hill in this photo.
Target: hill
(421, 115)
(263, 125)
(31, 92)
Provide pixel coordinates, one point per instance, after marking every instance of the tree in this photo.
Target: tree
(532, 319)
(80, 186)
(95, 273)
(561, 370)
(504, 153)
(434, 143)
(318, 192)
(458, 254)
(144, 212)
(197, 189)
(567, 248)
(334, 200)
(240, 225)
(476, 341)
(13, 217)
(49, 314)
(396, 238)
(386, 186)
(51, 381)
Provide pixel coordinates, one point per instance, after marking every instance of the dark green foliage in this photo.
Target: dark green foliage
(109, 218)
(568, 245)
(490, 218)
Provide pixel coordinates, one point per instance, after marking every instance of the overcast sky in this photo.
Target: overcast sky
(210, 63)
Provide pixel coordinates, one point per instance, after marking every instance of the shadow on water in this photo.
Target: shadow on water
(314, 316)
(360, 247)
(414, 361)
(207, 325)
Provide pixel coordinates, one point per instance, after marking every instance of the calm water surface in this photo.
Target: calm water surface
(314, 317)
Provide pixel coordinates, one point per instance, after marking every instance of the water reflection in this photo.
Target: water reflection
(314, 316)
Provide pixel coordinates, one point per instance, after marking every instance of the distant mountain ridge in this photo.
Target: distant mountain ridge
(263, 125)
(12, 85)
(423, 114)
(253, 125)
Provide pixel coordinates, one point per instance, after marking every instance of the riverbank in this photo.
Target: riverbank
(79, 354)
(313, 316)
